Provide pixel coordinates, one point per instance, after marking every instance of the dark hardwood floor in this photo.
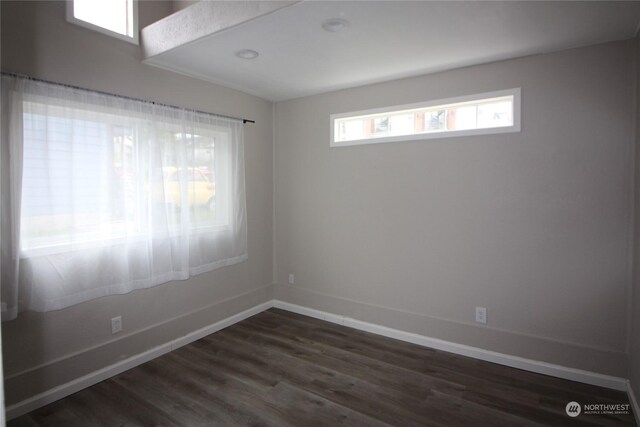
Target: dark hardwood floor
(282, 369)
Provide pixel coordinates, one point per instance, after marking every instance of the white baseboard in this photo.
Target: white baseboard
(545, 368)
(88, 380)
(634, 403)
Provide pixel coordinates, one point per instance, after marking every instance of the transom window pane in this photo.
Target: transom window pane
(476, 114)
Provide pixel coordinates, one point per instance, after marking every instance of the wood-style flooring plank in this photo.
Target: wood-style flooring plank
(253, 362)
(282, 369)
(379, 374)
(412, 357)
(480, 386)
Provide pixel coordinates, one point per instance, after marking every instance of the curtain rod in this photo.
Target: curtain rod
(4, 73)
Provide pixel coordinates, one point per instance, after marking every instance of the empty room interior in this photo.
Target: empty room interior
(320, 213)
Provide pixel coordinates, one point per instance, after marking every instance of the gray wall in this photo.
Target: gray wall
(634, 337)
(44, 350)
(534, 226)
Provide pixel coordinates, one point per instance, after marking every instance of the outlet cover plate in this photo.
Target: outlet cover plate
(481, 315)
(116, 325)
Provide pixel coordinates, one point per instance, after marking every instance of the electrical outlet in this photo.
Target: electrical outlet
(291, 278)
(116, 324)
(481, 315)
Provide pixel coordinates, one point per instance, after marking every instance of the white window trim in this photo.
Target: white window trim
(515, 92)
(134, 40)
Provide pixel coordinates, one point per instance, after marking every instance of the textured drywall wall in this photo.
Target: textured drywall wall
(37, 40)
(533, 225)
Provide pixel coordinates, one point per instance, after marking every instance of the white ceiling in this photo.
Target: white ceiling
(389, 40)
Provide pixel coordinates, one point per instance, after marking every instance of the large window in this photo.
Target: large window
(87, 176)
(105, 195)
(117, 18)
(494, 112)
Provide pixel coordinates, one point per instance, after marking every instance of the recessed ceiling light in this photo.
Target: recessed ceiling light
(247, 54)
(334, 25)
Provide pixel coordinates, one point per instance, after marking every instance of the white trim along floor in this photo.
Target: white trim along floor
(88, 380)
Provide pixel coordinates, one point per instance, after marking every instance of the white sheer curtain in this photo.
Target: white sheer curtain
(102, 195)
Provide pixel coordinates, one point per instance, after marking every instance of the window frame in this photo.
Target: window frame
(516, 127)
(222, 159)
(135, 39)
